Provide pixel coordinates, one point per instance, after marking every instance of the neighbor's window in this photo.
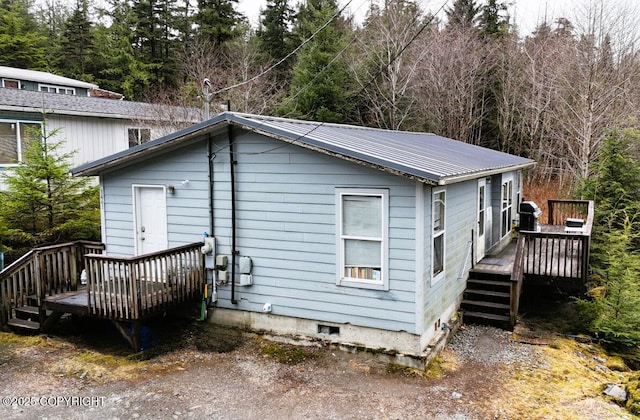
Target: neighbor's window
(438, 206)
(362, 237)
(14, 139)
(138, 136)
(57, 89)
(9, 83)
(507, 206)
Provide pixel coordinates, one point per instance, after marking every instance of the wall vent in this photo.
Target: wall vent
(328, 330)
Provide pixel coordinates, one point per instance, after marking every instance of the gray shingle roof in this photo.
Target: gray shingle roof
(54, 103)
(425, 156)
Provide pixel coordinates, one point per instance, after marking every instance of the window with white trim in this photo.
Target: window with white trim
(10, 83)
(57, 89)
(438, 207)
(507, 207)
(362, 225)
(14, 139)
(138, 136)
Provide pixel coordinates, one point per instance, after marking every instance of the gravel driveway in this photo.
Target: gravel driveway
(205, 372)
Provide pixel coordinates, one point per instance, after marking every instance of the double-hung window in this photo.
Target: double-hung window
(438, 208)
(14, 139)
(363, 237)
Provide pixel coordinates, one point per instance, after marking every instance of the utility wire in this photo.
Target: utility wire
(298, 48)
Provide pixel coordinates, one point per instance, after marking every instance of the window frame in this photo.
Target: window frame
(16, 81)
(18, 138)
(506, 206)
(138, 131)
(341, 279)
(441, 233)
(56, 89)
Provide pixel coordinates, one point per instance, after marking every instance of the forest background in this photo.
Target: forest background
(551, 95)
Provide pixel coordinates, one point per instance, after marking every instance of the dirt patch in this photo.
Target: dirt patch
(197, 370)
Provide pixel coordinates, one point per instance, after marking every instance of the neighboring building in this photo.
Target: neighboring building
(93, 127)
(354, 235)
(40, 81)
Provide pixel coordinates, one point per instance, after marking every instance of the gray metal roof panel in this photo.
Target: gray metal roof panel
(55, 103)
(426, 156)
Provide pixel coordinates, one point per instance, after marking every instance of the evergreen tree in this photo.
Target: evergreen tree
(274, 33)
(218, 20)
(320, 80)
(493, 21)
(43, 204)
(615, 259)
(77, 45)
(51, 17)
(21, 44)
(463, 13)
(120, 68)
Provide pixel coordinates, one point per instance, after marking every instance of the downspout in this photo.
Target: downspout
(211, 156)
(232, 173)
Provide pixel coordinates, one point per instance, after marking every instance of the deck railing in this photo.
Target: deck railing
(560, 252)
(43, 272)
(131, 288)
(517, 276)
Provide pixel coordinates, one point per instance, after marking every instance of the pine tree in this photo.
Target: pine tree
(615, 257)
(21, 44)
(43, 204)
(218, 20)
(77, 45)
(320, 80)
(274, 33)
(493, 21)
(463, 13)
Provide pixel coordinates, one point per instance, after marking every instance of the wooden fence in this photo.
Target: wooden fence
(131, 288)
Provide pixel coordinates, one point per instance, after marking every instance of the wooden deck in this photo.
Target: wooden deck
(45, 283)
(555, 255)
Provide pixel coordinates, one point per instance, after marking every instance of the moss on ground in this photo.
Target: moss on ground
(289, 354)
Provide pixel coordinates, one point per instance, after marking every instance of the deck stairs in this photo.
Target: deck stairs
(487, 298)
(27, 318)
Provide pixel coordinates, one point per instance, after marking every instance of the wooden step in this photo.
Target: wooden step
(490, 282)
(29, 312)
(482, 315)
(24, 324)
(489, 293)
(495, 305)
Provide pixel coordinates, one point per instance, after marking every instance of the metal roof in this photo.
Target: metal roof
(42, 77)
(430, 158)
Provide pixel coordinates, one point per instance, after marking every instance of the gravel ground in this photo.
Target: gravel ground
(204, 372)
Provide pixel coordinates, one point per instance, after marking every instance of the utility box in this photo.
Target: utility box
(529, 215)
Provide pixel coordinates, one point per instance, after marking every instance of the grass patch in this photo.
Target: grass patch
(99, 367)
(288, 353)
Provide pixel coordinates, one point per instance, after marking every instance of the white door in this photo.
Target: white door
(150, 219)
(482, 219)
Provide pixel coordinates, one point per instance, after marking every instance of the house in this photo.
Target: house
(326, 231)
(40, 81)
(93, 127)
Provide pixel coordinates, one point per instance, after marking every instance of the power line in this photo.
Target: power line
(298, 48)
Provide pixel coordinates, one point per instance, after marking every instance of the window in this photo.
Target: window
(14, 139)
(57, 89)
(138, 136)
(507, 206)
(438, 206)
(362, 237)
(9, 83)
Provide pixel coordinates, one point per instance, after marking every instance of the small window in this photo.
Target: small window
(362, 237)
(12, 84)
(138, 136)
(15, 137)
(438, 206)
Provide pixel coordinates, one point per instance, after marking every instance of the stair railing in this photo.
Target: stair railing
(42, 272)
(517, 275)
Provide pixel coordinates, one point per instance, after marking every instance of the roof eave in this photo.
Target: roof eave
(13, 108)
(475, 175)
